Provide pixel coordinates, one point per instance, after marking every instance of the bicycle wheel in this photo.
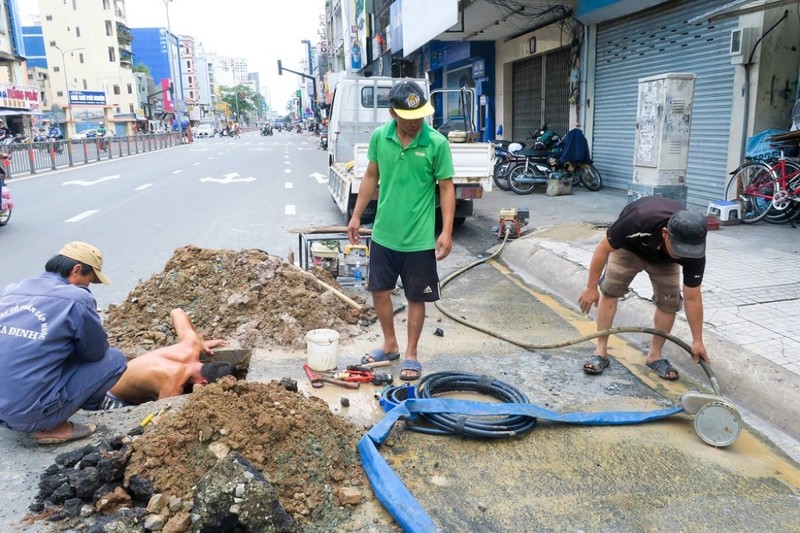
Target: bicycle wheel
(518, 173)
(589, 176)
(500, 174)
(788, 203)
(753, 186)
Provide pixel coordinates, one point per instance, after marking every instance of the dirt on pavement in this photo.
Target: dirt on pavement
(252, 300)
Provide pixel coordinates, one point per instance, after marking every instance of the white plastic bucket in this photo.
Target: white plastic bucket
(322, 346)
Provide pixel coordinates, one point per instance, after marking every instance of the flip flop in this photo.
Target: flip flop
(409, 366)
(79, 431)
(596, 364)
(379, 355)
(663, 367)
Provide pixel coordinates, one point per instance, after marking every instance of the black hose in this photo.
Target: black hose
(495, 427)
(604, 333)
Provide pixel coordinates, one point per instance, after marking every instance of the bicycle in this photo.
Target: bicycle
(766, 191)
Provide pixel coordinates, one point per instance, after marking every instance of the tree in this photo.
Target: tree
(241, 100)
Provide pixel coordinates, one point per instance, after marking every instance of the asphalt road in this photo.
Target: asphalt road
(651, 477)
(214, 193)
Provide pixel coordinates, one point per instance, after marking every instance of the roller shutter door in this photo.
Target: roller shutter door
(541, 94)
(655, 42)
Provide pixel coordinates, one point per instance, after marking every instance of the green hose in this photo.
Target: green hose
(604, 333)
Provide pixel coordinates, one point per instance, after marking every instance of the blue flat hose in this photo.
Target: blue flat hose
(393, 494)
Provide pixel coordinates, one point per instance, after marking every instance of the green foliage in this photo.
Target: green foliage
(243, 101)
(141, 67)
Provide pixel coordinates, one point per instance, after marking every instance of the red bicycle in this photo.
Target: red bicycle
(766, 191)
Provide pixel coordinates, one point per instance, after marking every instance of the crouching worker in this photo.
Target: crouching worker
(169, 371)
(54, 353)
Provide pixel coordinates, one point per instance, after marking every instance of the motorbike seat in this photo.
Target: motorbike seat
(530, 152)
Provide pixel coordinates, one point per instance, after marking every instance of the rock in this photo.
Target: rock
(156, 503)
(259, 509)
(62, 494)
(112, 465)
(49, 483)
(85, 482)
(140, 489)
(90, 459)
(154, 522)
(178, 523)
(72, 506)
(123, 521)
(111, 502)
(219, 449)
(175, 504)
(348, 495)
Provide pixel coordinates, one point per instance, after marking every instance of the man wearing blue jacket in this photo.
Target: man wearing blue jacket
(54, 353)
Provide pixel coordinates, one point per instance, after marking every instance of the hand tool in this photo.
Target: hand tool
(315, 380)
(355, 374)
(374, 364)
(320, 379)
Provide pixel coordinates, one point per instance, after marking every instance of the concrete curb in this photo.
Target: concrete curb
(767, 390)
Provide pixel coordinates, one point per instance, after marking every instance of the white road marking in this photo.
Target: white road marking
(287, 170)
(321, 178)
(83, 215)
(177, 171)
(286, 163)
(195, 164)
(86, 183)
(288, 210)
(143, 187)
(289, 185)
(229, 178)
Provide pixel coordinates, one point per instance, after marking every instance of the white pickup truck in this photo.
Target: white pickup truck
(362, 104)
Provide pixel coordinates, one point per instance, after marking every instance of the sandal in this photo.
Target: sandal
(79, 431)
(596, 364)
(377, 355)
(410, 370)
(663, 368)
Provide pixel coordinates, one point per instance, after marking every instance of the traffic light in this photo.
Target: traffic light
(299, 93)
(280, 68)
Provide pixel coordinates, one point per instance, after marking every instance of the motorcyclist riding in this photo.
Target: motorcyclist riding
(101, 133)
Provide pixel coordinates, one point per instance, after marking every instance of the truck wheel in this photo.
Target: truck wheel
(459, 221)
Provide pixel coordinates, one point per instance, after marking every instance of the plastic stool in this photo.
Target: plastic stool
(728, 212)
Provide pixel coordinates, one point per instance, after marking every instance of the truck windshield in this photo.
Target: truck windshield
(368, 97)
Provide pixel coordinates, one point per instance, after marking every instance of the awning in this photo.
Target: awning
(8, 112)
(739, 7)
(128, 117)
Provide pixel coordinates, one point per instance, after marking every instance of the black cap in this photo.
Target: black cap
(687, 231)
(408, 100)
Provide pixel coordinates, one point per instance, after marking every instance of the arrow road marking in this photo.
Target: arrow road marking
(86, 183)
(83, 215)
(321, 178)
(229, 178)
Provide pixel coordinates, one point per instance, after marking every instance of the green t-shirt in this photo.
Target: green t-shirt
(407, 186)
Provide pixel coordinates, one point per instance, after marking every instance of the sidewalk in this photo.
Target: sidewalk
(751, 294)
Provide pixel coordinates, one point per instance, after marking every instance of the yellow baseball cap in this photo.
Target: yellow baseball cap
(408, 100)
(88, 255)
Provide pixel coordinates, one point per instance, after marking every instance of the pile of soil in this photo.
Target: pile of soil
(252, 300)
(247, 297)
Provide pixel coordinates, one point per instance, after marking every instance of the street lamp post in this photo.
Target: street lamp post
(68, 107)
(311, 73)
(169, 56)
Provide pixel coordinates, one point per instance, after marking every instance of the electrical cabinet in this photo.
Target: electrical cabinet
(663, 124)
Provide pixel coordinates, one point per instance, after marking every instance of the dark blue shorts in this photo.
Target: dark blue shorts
(417, 271)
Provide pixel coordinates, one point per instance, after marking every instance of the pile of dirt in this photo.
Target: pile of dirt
(247, 297)
(304, 451)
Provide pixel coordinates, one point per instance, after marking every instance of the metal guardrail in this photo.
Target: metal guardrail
(30, 158)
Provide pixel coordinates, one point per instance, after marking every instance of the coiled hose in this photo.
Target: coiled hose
(439, 383)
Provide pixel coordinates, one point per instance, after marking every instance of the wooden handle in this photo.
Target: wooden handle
(345, 384)
(339, 294)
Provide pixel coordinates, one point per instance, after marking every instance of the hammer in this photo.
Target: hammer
(318, 380)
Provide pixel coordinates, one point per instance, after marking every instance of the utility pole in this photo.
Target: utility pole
(68, 107)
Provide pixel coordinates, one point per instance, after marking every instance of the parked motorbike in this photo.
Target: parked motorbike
(323, 138)
(554, 158)
(6, 203)
(503, 157)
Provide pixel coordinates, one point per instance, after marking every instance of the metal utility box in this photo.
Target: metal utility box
(663, 124)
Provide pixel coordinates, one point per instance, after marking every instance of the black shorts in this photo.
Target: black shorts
(417, 271)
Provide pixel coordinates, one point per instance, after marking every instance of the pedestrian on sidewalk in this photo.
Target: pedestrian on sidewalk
(409, 160)
(661, 237)
(54, 353)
